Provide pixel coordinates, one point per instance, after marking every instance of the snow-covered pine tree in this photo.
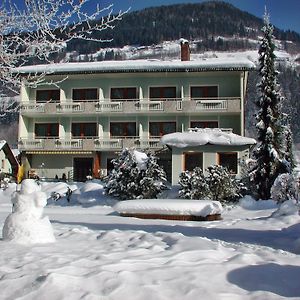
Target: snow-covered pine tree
(136, 175)
(185, 184)
(289, 148)
(270, 152)
(193, 185)
(285, 188)
(222, 186)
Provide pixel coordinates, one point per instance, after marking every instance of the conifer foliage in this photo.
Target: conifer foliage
(270, 154)
(218, 185)
(136, 175)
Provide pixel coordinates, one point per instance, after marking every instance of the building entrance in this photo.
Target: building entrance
(83, 167)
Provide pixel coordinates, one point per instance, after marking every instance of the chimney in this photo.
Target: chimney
(185, 50)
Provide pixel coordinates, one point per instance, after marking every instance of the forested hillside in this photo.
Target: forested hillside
(192, 21)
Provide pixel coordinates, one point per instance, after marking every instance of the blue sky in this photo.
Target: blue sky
(285, 14)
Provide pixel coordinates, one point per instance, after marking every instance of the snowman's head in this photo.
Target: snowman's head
(29, 186)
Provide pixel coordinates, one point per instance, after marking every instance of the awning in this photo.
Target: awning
(58, 152)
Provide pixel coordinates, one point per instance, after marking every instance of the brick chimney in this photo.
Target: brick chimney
(185, 50)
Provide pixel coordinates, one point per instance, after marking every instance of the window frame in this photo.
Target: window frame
(205, 86)
(185, 154)
(125, 95)
(161, 89)
(49, 96)
(48, 126)
(205, 122)
(82, 127)
(126, 129)
(84, 91)
(232, 171)
(161, 127)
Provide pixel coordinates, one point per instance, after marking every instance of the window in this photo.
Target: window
(84, 129)
(123, 93)
(3, 163)
(123, 129)
(162, 92)
(46, 130)
(204, 92)
(47, 95)
(204, 124)
(85, 94)
(229, 160)
(193, 160)
(161, 128)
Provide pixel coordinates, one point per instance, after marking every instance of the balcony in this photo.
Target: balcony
(32, 108)
(70, 107)
(144, 106)
(109, 107)
(88, 144)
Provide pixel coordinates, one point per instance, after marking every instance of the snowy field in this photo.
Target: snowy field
(100, 255)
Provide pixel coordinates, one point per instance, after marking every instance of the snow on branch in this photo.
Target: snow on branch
(38, 28)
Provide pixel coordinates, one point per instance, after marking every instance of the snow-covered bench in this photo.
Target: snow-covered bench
(171, 209)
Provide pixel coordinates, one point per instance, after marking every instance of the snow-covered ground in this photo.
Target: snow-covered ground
(100, 255)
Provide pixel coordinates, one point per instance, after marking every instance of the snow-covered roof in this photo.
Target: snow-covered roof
(212, 136)
(2, 143)
(130, 66)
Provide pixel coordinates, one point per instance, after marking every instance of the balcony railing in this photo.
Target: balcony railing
(69, 144)
(31, 108)
(102, 144)
(89, 143)
(211, 104)
(150, 105)
(69, 107)
(31, 144)
(109, 106)
(143, 106)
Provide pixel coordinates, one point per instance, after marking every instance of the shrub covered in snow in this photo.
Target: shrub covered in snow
(218, 184)
(136, 175)
(222, 185)
(284, 188)
(193, 185)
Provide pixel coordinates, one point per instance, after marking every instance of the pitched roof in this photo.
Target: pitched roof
(141, 66)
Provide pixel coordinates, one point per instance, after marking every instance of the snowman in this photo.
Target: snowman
(26, 224)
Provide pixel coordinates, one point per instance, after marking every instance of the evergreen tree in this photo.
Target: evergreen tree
(270, 151)
(136, 175)
(193, 185)
(222, 186)
(289, 150)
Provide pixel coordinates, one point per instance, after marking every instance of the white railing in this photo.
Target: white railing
(211, 104)
(151, 143)
(31, 143)
(69, 144)
(69, 107)
(108, 144)
(33, 108)
(150, 105)
(109, 106)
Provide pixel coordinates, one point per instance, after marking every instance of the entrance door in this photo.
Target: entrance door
(83, 167)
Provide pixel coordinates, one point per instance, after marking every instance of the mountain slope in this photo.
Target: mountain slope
(191, 21)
